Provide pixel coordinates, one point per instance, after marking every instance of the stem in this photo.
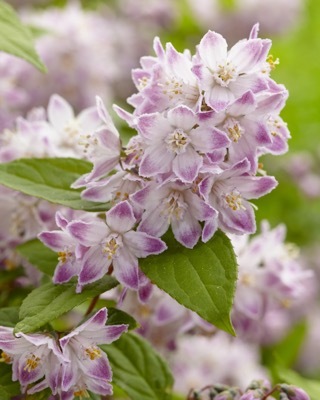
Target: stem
(265, 397)
(92, 305)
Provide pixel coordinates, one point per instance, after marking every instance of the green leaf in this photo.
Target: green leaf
(8, 388)
(138, 369)
(50, 301)
(9, 316)
(288, 349)
(118, 317)
(202, 279)
(49, 179)
(15, 38)
(39, 255)
(43, 395)
(291, 377)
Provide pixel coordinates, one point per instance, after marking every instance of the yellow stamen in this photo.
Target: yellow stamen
(234, 201)
(5, 358)
(31, 363)
(273, 63)
(111, 248)
(82, 393)
(63, 256)
(93, 352)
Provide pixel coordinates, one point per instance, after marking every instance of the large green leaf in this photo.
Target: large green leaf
(138, 369)
(312, 387)
(15, 38)
(202, 279)
(50, 301)
(39, 255)
(49, 179)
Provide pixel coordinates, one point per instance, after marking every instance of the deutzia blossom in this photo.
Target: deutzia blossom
(176, 143)
(89, 366)
(114, 242)
(229, 191)
(177, 205)
(33, 357)
(225, 75)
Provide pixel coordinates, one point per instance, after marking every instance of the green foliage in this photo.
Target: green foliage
(15, 38)
(9, 316)
(50, 301)
(8, 388)
(8, 276)
(202, 279)
(39, 256)
(137, 369)
(287, 350)
(49, 179)
(118, 317)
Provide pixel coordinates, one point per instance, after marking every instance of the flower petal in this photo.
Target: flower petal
(141, 244)
(121, 217)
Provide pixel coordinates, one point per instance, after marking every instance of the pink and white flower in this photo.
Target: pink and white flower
(229, 191)
(114, 242)
(225, 75)
(89, 366)
(177, 205)
(33, 357)
(176, 143)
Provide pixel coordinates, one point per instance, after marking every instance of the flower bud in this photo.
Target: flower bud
(294, 393)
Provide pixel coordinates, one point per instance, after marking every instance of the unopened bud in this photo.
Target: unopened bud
(294, 393)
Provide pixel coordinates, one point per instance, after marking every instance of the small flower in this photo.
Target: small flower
(229, 191)
(33, 357)
(225, 75)
(114, 242)
(89, 366)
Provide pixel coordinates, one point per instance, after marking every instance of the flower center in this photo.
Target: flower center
(31, 363)
(89, 143)
(82, 393)
(111, 247)
(63, 256)
(93, 352)
(175, 206)
(234, 130)
(177, 141)
(234, 200)
(225, 74)
(172, 88)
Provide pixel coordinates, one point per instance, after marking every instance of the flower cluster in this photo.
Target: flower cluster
(258, 389)
(273, 287)
(110, 41)
(202, 123)
(69, 366)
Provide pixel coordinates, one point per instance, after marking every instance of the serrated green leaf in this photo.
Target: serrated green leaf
(50, 301)
(39, 255)
(312, 387)
(15, 38)
(118, 317)
(9, 316)
(49, 179)
(202, 279)
(138, 369)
